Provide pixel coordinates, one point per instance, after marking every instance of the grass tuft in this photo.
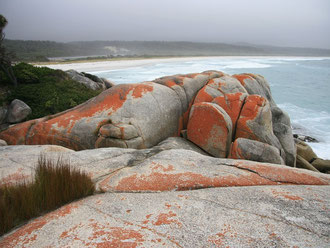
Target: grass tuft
(55, 184)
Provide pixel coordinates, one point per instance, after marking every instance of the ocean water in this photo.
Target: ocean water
(300, 86)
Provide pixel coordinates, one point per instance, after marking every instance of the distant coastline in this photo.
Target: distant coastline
(93, 65)
(45, 51)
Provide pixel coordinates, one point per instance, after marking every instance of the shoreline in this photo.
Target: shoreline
(117, 64)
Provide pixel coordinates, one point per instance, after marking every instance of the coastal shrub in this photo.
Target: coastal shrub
(45, 90)
(54, 184)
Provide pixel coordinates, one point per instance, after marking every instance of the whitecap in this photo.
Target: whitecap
(245, 64)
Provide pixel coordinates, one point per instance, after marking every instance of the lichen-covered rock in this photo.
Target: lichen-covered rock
(219, 87)
(256, 151)
(142, 115)
(232, 103)
(164, 167)
(281, 216)
(255, 121)
(256, 85)
(210, 128)
(153, 110)
(18, 111)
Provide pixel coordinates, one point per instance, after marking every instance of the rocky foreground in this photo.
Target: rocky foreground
(165, 196)
(228, 181)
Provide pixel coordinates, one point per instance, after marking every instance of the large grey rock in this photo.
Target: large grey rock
(18, 111)
(263, 216)
(256, 84)
(82, 79)
(142, 115)
(255, 121)
(255, 151)
(156, 110)
(159, 168)
(3, 143)
(219, 87)
(283, 131)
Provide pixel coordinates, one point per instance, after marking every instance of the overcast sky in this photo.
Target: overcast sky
(302, 23)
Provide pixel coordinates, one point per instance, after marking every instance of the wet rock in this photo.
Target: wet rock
(305, 138)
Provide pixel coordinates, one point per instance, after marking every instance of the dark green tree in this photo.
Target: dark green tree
(5, 56)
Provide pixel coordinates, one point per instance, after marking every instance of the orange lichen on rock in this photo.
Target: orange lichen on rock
(232, 104)
(284, 174)
(157, 181)
(286, 195)
(235, 151)
(141, 89)
(16, 135)
(241, 78)
(250, 111)
(108, 236)
(203, 96)
(166, 219)
(209, 128)
(218, 239)
(14, 178)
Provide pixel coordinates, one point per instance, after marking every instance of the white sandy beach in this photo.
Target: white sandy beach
(118, 64)
(122, 64)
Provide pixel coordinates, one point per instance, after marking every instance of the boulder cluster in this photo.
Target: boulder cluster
(227, 116)
(170, 171)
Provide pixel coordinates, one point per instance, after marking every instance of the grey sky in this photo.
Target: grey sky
(302, 23)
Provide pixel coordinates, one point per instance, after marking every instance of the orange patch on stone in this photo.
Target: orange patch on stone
(241, 78)
(166, 219)
(250, 110)
(203, 96)
(22, 235)
(14, 178)
(105, 236)
(156, 181)
(208, 129)
(232, 104)
(284, 174)
(160, 167)
(218, 239)
(286, 195)
(141, 89)
(15, 135)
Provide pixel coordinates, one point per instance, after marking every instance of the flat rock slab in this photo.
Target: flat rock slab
(155, 169)
(257, 216)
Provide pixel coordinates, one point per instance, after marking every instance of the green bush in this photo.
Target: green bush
(47, 91)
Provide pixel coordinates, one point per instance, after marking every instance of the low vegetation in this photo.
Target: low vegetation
(45, 90)
(55, 184)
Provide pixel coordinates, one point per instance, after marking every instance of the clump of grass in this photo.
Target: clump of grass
(55, 184)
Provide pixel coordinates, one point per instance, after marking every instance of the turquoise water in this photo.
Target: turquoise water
(300, 86)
